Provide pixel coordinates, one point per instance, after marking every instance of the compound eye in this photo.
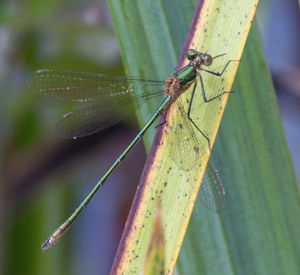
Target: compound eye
(191, 54)
(207, 60)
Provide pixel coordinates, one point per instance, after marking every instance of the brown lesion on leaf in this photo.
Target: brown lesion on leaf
(155, 259)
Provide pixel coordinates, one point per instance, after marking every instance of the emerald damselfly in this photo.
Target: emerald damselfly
(110, 99)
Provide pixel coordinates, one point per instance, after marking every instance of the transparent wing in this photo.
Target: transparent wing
(185, 152)
(87, 87)
(111, 98)
(87, 121)
(185, 148)
(212, 191)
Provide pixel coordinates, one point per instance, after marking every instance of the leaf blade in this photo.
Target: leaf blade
(159, 182)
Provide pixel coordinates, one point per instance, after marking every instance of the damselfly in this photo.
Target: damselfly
(110, 99)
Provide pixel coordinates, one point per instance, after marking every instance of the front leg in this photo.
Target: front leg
(219, 74)
(203, 91)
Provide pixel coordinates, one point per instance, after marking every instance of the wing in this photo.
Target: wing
(188, 153)
(212, 191)
(87, 87)
(87, 121)
(185, 149)
(110, 98)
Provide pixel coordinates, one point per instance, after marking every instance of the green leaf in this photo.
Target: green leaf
(147, 43)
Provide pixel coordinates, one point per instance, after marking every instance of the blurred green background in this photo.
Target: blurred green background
(42, 177)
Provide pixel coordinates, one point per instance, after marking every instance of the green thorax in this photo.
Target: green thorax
(186, 74)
